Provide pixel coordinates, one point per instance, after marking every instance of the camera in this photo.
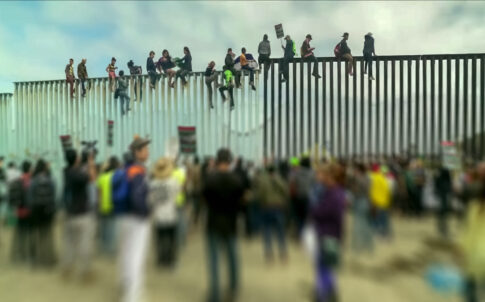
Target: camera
(89, 148)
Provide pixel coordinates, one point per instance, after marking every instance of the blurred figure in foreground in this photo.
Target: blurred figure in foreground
(380, 194)
(273, 194)
(301, 182)
(223, 193)
(164, 188)
(17, 194)
(328, 216)
(79, 224)
(42, 204)
(362, 228)
(443, 188)
(473, 249)
(105, 207)
(135, 226)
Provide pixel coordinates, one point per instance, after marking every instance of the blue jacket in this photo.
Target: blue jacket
(138, 204)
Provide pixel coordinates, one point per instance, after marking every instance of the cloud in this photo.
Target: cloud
(38, 39)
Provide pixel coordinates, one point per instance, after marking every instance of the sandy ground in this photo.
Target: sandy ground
(394, 273)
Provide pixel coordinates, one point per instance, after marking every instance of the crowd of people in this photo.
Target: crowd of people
(120, 202)
(231, 71)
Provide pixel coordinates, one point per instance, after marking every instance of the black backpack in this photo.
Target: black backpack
(43, 202)
(16, 193)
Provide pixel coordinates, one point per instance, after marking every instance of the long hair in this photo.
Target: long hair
(187, 50)
(41, 167)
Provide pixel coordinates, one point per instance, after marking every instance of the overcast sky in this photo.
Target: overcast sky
(38, 38)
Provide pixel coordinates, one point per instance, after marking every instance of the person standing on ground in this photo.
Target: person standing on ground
(105, 206)
(135, 226)
(369, 51)
(111, 70)
(264, 51)
(162, 196)
(301, 182)
(308, 56)
(17, 194)
(152, 70)
(328, 218)
(123, 92)
(289, 54)
(186, 66)
(79, 223)
(82, 75)
(223, 193)
(166, 65)
(70, 76)
(244, 60)
(346, 53)
(41, 199)
(228, 86)
(229, 63)
(273, 194)
(443, 189)
(211, 76)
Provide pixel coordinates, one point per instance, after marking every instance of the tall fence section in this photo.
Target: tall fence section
(415, 103)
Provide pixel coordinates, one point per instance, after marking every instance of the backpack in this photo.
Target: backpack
(16, 193)
(121, 191)
(43, 204)
(336, 51)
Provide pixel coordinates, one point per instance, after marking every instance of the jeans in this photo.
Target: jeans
(166, 245)
(124, 99)
(273, 220)
(154, 76)
(382, 222)
(83, 87)
(228, 243)
(107, 233)
(312, 58)
(251, 73)
(368, 62)
(443, 215)
(181, 73)
(228, 88)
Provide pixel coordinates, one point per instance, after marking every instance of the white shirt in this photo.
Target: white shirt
(162, 197)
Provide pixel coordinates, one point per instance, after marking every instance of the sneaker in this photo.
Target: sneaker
(212, 106)
(282, 80)
(253, 87)
(316, 75)
(223, 99)
(232, 107)
(371, 78)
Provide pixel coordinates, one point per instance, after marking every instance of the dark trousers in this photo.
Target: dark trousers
(21, 243)
(181, 73)
(166, 245)
(154, 76)
(443, 215)
(70, 82)
(273, 221)
(368, 62)
(237, 75)
(42, 244)
(83, 87)
(139, 84)
(312, 58)
(124, 102)
(264, 59)
(251, 72)
(228, 244)
(228, 88)
(285, 68)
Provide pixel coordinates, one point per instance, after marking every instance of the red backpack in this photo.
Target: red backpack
(336, 50)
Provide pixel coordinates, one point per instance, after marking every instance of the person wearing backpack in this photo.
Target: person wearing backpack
(17, 194)
(368, 52)
(135, 226)
(79, 223)
(344, 52)
(308, 56)
(229, 63)
(289, 54)
(105, 206)
(41, 200)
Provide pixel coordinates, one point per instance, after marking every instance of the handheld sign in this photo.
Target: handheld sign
(279, 31)
(187, 140)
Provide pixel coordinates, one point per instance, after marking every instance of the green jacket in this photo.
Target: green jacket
(271, 190)
(228, 75)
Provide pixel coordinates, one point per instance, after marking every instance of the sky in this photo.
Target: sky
(37, 38)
